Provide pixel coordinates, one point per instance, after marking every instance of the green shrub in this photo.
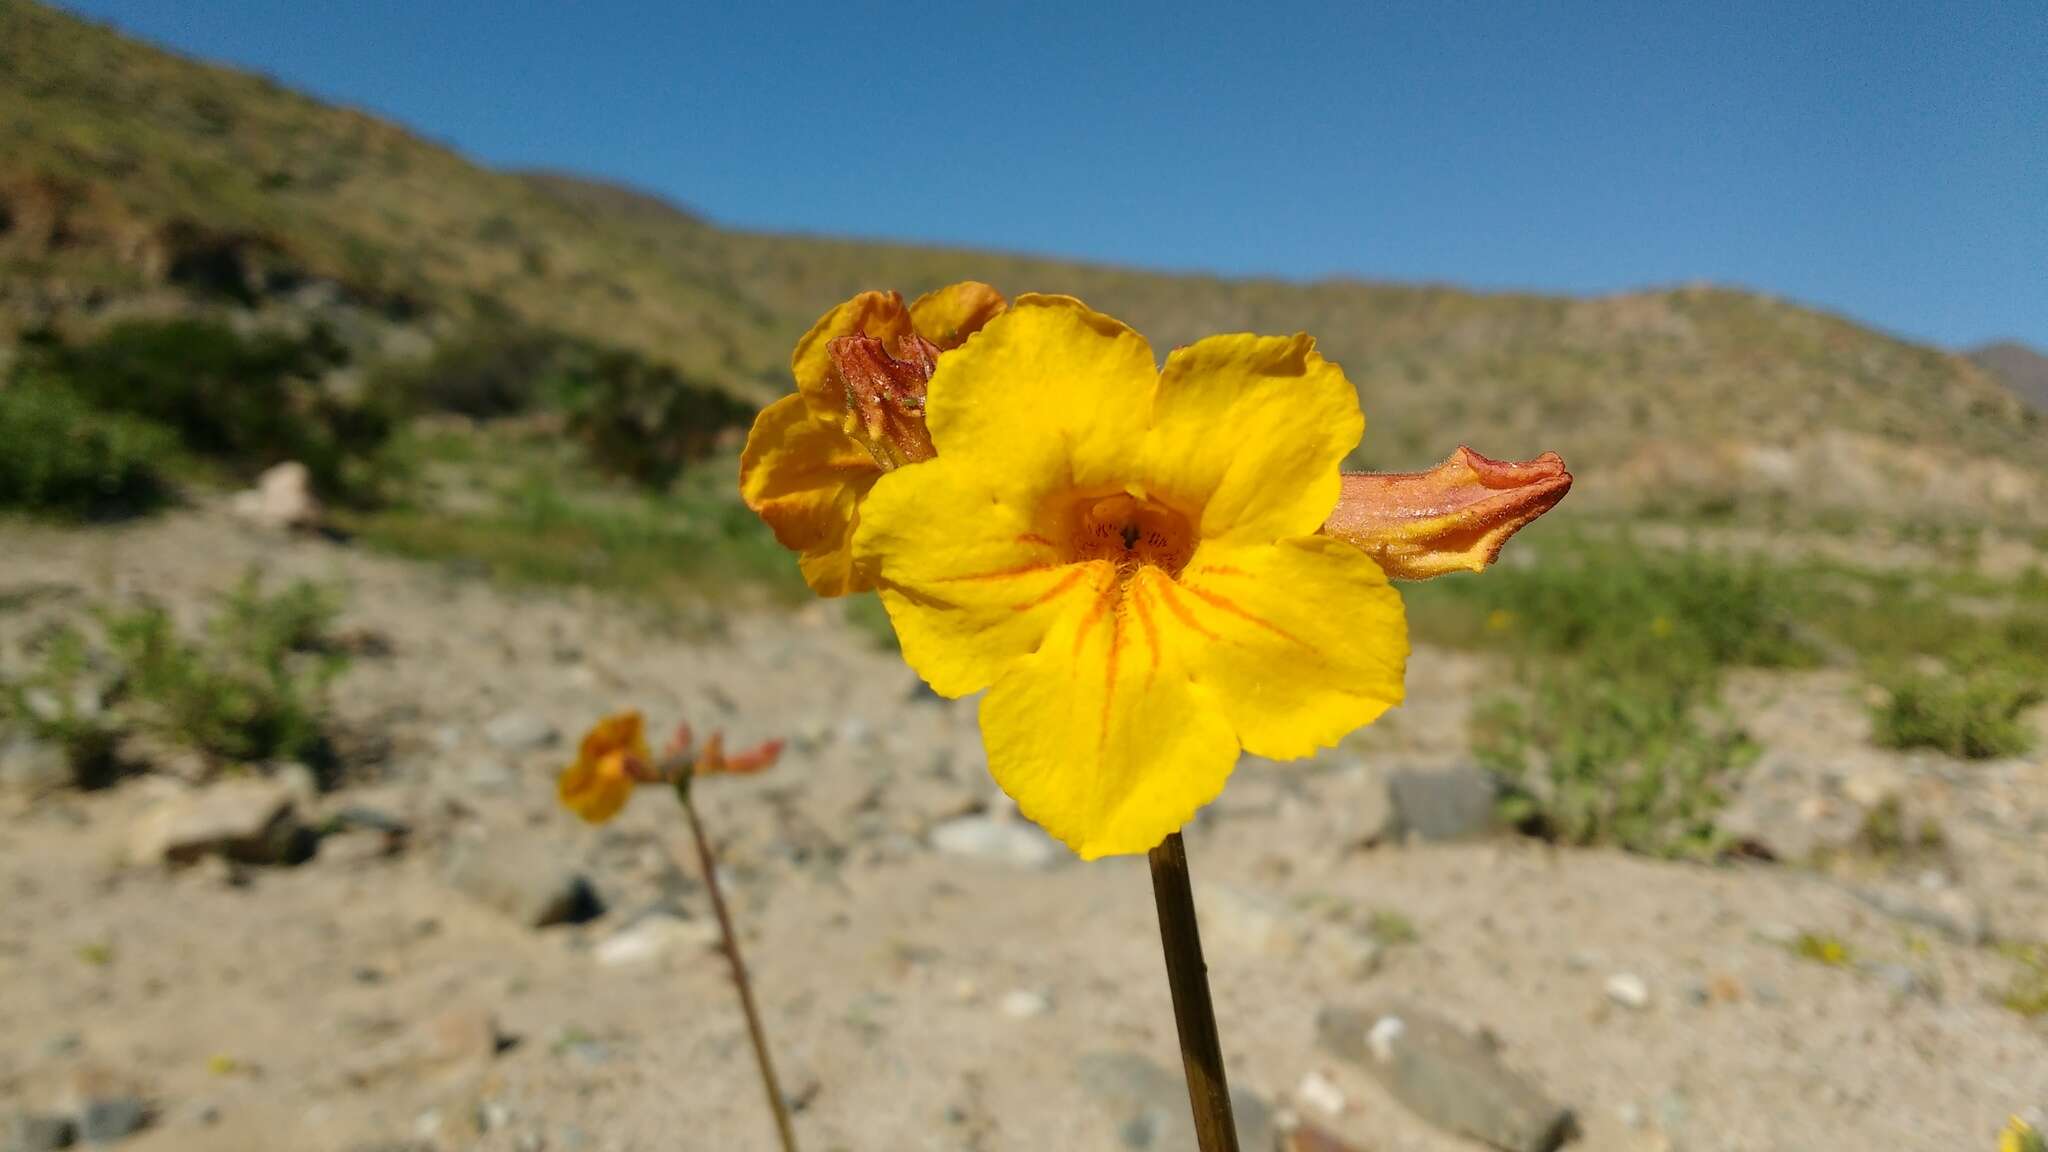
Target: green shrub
(251, 688)
(246, 401)
(487, 372)
(1588, 756)
(1975, 714)
(60, 701)
(646, 421)
(64, 459)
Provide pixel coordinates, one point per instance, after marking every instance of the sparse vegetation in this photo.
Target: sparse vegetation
(2027, 992)
(250, 688)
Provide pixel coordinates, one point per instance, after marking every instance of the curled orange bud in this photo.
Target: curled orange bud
(885, 396)
(714, 762)
(1452, 518)
(611, 762)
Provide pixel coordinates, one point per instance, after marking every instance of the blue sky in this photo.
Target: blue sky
(1889, 161)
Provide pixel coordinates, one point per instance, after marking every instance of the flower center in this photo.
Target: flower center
(1132, 533)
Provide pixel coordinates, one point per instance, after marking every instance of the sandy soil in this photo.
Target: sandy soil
(920, 1000)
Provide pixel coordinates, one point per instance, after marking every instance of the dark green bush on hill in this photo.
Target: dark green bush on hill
(646, 421)
(64, 459)
(245, 401)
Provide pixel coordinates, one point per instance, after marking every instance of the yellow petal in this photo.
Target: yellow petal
(878, 314)
(1251, 429)
(1453, 518)
(948, 316)
(1302, 641)
(619, 732)
(1101, 735)
(596, 789)
(969, 582)
(1051, 390)
(806, 478)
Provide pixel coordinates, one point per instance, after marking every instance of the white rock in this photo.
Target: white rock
(282, 499)
(1628, 990)
(1026, 1003)
(652, 937)
(1319, 1092)
(999, 841)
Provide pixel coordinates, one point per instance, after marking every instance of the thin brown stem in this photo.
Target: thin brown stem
(1201, 1053)
(709, 866)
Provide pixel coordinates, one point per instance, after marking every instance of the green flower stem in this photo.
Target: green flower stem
(1187, 975)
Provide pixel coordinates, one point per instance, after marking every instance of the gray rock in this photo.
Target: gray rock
(528, 886)
(1947, 911)
(106, 1119)
(521, 732)
(31, 1133)
(1447, 1076)
(1447, 804)
(1012, 842)
(245, 821)
(31, 765)
(1148, 1104)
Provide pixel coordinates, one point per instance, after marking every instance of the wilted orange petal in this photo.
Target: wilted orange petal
(714, 762)
(885, 396)
(1452, 518)
(597, 790)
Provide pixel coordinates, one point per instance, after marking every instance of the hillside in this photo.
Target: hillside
(125, 170)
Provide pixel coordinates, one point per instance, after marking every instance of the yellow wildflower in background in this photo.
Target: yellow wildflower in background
(858, 412)
(611, 762)
(1127, 559)
(2020, 1136)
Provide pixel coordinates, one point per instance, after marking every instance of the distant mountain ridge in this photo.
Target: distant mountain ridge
(127, 170)
(2021, 368)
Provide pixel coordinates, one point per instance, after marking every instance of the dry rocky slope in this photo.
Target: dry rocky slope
(128, 173)
(934, 974)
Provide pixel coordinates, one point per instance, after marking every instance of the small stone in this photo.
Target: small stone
(33, 766)
(1447, 1076)
(1449, 804)
(1026, 1004)
(1248, 923)
(1321, 1093)
(531, 888)
(282, 499)
(246, 821)
(1148, 1105)
(652, 937)
(1900, 980)
(1628, 990)
(1948, 911)
(31, 1133)
(1011, 842)
(105, 1119)
(521, 732)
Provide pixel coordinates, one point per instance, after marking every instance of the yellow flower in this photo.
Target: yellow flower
(2020, 1136)
(1127, 559)
(857, 413)
(612, 760)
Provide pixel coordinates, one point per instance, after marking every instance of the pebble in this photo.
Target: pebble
(106, 1119)
(1628, 990)
(1444, 804)
(1452, 1078)
(31, 1133)
(1026, 1004)
(1012, 842)
(530, 887)
(521, 732)
(246, 821)
(1321, 1093)
(652, 937)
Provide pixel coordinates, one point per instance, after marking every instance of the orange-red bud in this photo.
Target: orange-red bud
(1452, 518)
